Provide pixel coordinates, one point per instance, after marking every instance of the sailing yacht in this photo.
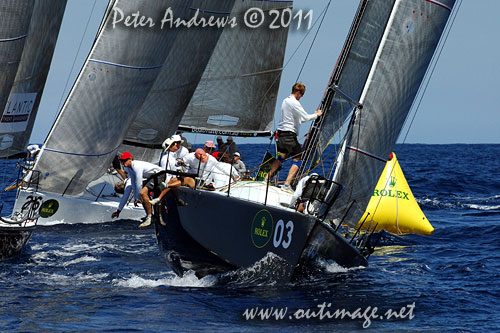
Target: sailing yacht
(32, 37)
(382, 65)
(129, 96)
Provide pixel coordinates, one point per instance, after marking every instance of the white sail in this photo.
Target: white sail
(15, 16)
(25, 95)
(405, 51)
(114, 82)
(169, 97)
(237, 93)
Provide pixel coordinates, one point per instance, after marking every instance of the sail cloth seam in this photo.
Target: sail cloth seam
(361, 151)
(437, 3)
(79, 154)
(13, 38)
(124, 66)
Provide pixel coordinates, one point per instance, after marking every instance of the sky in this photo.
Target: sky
(459, 106)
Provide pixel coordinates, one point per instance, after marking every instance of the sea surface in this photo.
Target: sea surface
(111, 277)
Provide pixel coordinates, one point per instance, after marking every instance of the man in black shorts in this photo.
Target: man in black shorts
(292, 115)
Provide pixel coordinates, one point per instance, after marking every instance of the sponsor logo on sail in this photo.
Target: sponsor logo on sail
(49, 208)
(262, 228)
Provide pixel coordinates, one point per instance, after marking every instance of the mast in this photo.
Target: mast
(344, 89)
(403, 55)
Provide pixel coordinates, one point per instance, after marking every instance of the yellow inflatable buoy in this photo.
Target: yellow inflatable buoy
(393, 205)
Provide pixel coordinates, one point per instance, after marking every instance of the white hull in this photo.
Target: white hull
(76, 210)
(86, 210)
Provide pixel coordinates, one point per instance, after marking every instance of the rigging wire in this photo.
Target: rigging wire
(76, 56)
(325, 11)
(287, 62)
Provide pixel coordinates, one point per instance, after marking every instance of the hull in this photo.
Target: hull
(224, 233)
(13, 240)
(60, 209)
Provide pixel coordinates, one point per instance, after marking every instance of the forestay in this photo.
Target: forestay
(410, 39)
(237, 93)
(20, 113)
(169, 97)
(15, 16)
(110, 90)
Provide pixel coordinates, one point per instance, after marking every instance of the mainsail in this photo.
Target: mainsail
(19, 115)
(237, 93)
(114, 82)
(411, 34)
(15, 16)
(169, 97)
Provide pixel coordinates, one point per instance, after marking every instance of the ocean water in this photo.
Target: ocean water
(111, 277)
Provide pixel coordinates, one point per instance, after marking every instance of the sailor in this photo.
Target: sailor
(209, 147)
(171, 162)
(221, 147)
(231, 147)
(177, 151)
(292, 116)
(204, 165)
(139, 171)
(239, 165)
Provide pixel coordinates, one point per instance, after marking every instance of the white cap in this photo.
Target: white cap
(176, 138)
(236, 154)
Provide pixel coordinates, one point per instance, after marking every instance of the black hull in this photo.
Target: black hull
(13, 240)
(216, 233)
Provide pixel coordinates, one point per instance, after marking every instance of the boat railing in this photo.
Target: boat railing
(27, 178)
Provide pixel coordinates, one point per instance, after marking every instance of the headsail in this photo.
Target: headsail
(110, 90)
(15, 16)
(405, 51)
(350, 74)
(29, 83)
(237, 93)
(169, 97)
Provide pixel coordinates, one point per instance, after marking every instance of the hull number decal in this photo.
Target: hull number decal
(283, 234)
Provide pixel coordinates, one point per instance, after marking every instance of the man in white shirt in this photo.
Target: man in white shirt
(206, 164)
(138, 172)
(170, 161)
(292, 116)
(173, 149)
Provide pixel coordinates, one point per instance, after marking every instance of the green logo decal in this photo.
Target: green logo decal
(49, 208)
(262, 228)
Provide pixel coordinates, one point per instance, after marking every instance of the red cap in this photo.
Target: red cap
(125, 156)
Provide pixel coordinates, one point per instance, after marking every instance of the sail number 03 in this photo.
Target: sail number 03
(255, 17)
(283, 234)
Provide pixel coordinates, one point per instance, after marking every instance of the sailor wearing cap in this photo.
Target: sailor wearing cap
(172, 150)
(239, 165)
(139, 171)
